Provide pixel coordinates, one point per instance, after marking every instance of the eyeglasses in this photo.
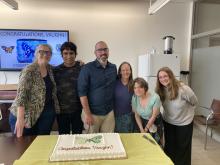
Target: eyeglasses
(102, 49)
(45, 52)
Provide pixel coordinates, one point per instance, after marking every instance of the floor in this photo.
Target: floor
(211, 156)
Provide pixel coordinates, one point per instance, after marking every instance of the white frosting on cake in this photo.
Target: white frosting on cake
(88, 146)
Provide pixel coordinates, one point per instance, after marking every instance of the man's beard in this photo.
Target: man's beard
(103, 60)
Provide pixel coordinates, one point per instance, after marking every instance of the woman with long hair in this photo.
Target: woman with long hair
(124, 118)
(179, 102)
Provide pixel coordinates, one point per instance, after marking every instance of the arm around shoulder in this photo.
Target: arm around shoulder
(83, 81)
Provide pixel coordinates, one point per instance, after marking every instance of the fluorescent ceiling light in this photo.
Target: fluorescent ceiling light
(11, 3)
(156, 6)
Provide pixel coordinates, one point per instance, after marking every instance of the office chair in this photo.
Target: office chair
(213, 119)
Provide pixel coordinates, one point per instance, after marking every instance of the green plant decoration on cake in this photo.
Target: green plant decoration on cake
(95, 139)
(82, 140)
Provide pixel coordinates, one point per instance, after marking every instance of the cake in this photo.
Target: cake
(88, 147)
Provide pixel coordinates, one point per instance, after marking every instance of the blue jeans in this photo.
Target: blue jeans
(124, 123)
(43, 125)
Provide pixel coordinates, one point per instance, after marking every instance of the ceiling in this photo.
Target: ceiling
(202, 1)
(210, 1)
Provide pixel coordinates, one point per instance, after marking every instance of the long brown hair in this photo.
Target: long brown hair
(173, 87)
(130, 80)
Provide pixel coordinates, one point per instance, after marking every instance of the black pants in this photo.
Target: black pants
(159, 123)
(70, 122)
(178, 143)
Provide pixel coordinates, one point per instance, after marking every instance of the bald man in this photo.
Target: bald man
(96, 90)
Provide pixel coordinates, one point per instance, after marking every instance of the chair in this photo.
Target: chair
(213, 119)
(6, 98)
(4, 112)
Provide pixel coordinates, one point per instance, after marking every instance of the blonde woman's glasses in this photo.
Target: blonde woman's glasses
(45, 52)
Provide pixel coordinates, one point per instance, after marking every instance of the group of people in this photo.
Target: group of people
(96, 98)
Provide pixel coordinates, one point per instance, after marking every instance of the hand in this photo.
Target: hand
(146, 129)
(19, 127)
(142, 130)
(81, 63)
(89, 119)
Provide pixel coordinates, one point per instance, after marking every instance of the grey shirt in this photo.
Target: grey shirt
(181, 110)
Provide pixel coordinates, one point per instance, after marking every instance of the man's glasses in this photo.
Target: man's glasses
(102, 49)
(44, 52)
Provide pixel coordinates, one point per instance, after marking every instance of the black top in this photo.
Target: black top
(49, 88)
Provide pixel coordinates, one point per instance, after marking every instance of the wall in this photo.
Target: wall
(208, 17)
(123, 24)
(205, 58)
(205, 79)
(207, 20)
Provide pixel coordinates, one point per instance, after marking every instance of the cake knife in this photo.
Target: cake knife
(150, 140)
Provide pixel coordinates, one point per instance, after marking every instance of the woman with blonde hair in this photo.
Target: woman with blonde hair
(33, 111)
(179, 102)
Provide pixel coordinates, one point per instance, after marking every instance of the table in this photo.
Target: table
(8, 93)
(8, 87)
(11, 148)
(139, 151)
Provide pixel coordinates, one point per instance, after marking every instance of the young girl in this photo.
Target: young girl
(179, 102)
(146, 106)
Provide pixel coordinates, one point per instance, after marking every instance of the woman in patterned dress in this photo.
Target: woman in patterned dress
(33, 111)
